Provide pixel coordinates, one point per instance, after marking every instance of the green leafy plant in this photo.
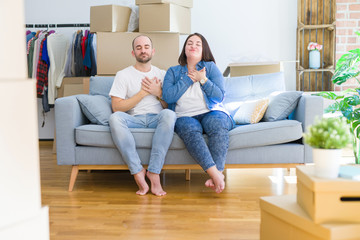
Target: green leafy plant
(328, 133)
(347, 102)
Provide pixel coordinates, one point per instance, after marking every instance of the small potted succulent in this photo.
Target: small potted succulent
(327, 137)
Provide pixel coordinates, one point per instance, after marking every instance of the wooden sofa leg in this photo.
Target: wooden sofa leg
(187, 174)
(73, 176)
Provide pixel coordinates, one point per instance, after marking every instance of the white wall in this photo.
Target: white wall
(237, 30)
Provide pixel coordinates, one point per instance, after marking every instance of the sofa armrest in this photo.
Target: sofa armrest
(68, 116)
(308, 108)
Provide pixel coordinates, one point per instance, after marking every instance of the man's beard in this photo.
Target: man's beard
(143, 60)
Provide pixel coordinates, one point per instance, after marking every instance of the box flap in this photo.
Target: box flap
(252, 68)
(184, 3)
(306, 176)
(286, 208)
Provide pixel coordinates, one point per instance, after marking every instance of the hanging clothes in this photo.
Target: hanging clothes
(38, 42)
(30, 56)
(87, 56)
(93, 55)
(42, 67)
(78, 59)
(69, 59)
(57, 46)
(81, 59)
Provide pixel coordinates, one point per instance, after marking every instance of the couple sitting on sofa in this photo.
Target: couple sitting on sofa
(193, 92)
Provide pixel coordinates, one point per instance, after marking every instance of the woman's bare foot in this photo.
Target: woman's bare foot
(141, 182)
(210, 184)
(216, 182)
(156, 188)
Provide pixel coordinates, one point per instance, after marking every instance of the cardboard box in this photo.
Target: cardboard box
(244, 69)
(73, 86)
(333, 200)
(164, 18)
(114, 51)
(109, 18)
(183, 3)
(283, 219)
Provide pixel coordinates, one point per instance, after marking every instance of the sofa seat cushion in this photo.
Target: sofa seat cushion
(252, 135)
(99, 136)
(265, 133)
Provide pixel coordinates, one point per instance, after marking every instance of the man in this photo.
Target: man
(136, 102)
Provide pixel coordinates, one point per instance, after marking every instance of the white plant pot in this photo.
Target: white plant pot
(327, 162)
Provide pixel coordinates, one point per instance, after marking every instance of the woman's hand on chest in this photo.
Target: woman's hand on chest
(196, 76)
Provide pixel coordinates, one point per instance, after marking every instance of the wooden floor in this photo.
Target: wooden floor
(104, 205)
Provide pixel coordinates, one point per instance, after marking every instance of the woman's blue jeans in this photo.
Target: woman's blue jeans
(216, 125)
(164, 122)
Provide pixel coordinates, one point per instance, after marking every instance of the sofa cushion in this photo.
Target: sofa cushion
(281, 105)
(265, 133)
(101, 85)
(96, 108)
(251, 111)
(251, 87)
(252, 135)
(99, 136)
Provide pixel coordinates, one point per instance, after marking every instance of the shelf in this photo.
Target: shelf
(316, 23)
(328, 69)
(314, 80)
(322, 36)
(312, 12)
(329, 27)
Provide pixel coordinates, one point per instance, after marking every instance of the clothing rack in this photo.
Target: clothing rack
(47, 25)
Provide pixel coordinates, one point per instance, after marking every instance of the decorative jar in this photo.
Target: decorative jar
(314, 59)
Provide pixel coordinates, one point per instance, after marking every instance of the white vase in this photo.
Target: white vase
(327, 162)
(314, 59)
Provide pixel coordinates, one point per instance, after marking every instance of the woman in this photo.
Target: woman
(194, 90)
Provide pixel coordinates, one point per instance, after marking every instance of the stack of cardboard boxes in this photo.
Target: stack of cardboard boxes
(106, 18)
(162, 20)
(322, 209)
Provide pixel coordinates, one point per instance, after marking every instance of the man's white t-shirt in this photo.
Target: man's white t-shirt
(127, 83)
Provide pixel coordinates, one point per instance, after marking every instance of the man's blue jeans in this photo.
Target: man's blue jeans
(216, 125)
(164, 122)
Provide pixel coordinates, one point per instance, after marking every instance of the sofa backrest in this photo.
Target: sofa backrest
(252, 87)
(236, 88)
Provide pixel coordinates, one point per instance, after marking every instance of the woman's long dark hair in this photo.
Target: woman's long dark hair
(206, 52)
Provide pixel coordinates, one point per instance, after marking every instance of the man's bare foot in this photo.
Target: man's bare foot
(216, 182)
(141, 182)
(156, 188)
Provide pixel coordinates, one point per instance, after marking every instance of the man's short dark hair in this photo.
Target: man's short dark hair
(133, 47)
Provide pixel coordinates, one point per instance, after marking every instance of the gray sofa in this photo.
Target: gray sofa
(83, 139)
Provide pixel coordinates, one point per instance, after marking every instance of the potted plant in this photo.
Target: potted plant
(327, 136)
(347, 102)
